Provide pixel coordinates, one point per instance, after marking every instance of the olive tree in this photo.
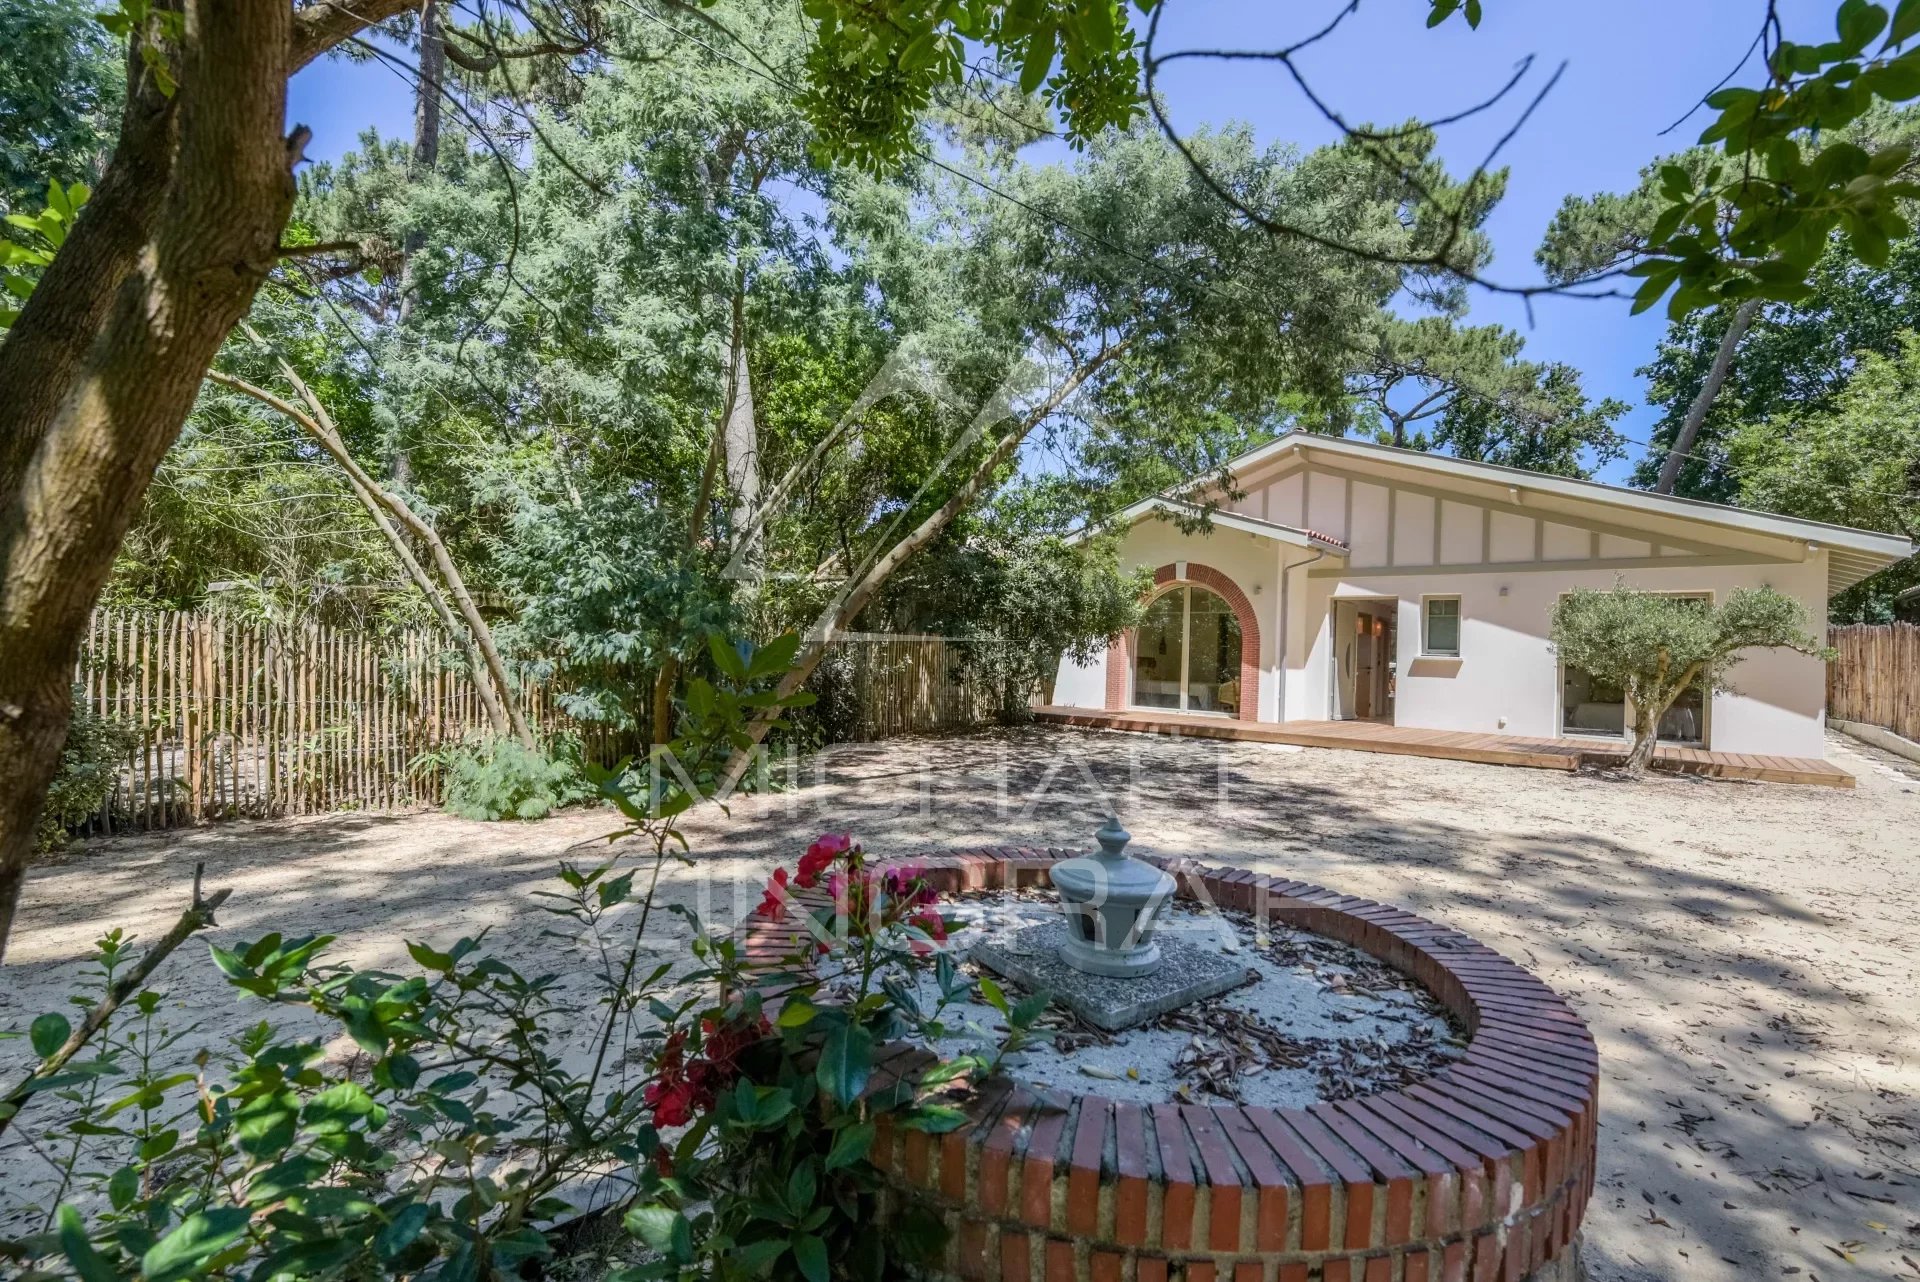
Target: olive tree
(1657, 647)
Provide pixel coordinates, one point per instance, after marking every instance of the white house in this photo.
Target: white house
(1362, 581)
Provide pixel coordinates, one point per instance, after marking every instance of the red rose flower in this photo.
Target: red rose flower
(774, 906)
(933, 924)
(820, 856)
(671, 1102)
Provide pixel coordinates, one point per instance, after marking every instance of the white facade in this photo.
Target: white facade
(1326, 521)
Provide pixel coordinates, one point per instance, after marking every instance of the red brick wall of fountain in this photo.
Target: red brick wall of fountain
(1480, 1172)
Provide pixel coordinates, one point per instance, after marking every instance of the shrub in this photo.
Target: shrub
(89, 767)
(1656, 647)
(501, 779)
(462, 1139)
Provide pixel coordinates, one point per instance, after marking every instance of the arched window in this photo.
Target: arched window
(1187, 653)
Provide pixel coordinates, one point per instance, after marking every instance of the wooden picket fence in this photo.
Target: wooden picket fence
(237, 718)
(1875, 677)
(915, 683)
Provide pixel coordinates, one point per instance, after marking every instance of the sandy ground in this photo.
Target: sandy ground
(1746, 953)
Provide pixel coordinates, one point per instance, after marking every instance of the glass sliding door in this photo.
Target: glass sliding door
(1160, 659)
(1589, 705)
(1187, 655)
(1213, 662)
(1685, 721)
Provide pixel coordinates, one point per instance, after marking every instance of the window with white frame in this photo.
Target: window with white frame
(1440, 626)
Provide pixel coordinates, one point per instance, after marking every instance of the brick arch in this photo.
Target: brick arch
(1120, 652)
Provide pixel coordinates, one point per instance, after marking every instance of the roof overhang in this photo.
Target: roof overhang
(1166, 508)
(1852, 554)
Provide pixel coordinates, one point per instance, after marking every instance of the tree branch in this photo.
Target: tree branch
(1703, 399)
(864, 584)
(197, 917)
(320, 425)
(1442, 259)
(320, 27)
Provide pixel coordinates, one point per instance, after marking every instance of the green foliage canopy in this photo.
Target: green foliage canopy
(61, 80)
(1852, 461)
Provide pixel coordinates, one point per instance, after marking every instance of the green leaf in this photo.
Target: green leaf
(123, 1187)
(726, 657)
(850, 1145)
(1896, 81)
(755, 1259)
(335, 1109)
(995, 995)
(403, 1071)
(229, 963)
(283, 1179)
(776, 656)
(920, 50)
(87, 1262)
(181, 1253)
(1857, 23)
(653, 1225)
(801, 1186)
(1040, 51)
(401, 1230)
(797, 1013)
(934, 1119)
(429, 958)
(49, 1033)
(1027, 1010)
(1906, 21)
(1650, 292)
(810, 1253)
(846, 1061)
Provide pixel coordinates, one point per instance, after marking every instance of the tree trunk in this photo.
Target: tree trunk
(1703, 400)
(377, 504)
(661, 711)
(426, 102)
(103, 365)
(421, 162)
(862, 588)
(1645, 739)
(106, 358)
(743, 464)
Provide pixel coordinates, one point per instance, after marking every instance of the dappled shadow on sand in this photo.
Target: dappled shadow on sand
(1754, 1018)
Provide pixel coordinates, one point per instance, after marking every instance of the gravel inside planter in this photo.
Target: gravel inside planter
(1311, 1019)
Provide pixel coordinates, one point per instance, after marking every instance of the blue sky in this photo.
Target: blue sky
(1633, 66)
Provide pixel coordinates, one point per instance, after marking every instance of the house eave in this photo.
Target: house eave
(1853, 554)
(1164, 507)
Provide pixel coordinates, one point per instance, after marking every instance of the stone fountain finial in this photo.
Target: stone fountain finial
(1112, 902)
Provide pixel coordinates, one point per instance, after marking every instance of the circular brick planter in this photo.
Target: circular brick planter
(1479, 1172)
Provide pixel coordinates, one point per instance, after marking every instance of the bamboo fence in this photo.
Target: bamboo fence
(238, 718)
(1875, 676)
(914, 683)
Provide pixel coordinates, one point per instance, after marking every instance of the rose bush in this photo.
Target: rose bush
(782, 1116)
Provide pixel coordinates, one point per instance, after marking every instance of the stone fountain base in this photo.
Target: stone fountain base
(1030, 956)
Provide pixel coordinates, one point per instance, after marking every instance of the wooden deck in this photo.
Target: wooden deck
(1493, 749)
